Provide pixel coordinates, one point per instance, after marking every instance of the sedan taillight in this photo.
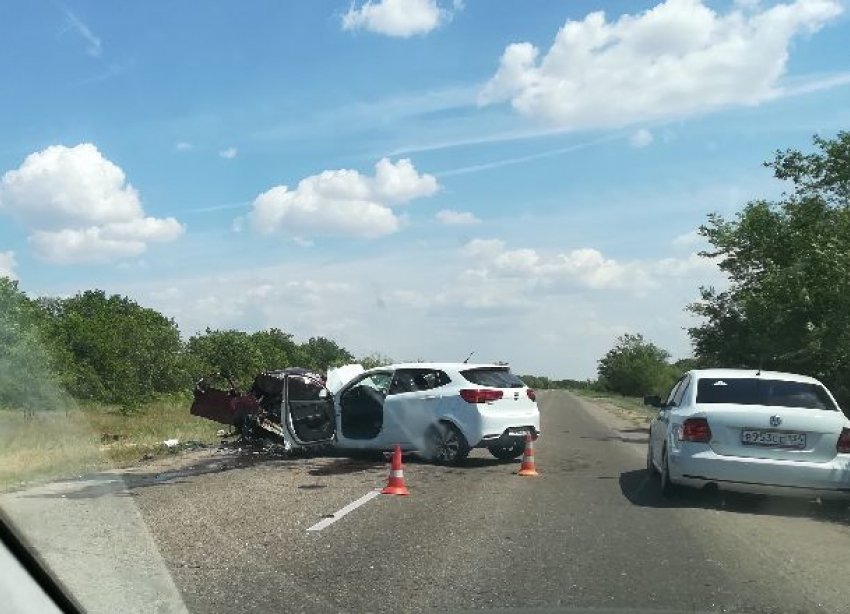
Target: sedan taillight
(843, 446)
(696, 430)
(480, 395)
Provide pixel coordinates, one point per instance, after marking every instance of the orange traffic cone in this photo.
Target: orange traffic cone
(395, 481)
(527, 468)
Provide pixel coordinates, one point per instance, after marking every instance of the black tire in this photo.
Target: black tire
(445, 445)
(668, 488)
(508, 452)
(651, 469)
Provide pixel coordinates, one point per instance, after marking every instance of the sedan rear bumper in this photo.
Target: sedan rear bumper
(696, 465)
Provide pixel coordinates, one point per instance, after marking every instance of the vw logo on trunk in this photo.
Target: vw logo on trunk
(775, 421)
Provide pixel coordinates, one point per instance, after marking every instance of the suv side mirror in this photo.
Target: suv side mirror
(653, 401)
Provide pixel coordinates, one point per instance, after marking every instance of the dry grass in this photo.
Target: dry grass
(65, 443)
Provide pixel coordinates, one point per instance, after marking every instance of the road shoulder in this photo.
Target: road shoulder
(625, 424)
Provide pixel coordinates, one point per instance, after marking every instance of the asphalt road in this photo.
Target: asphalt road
(591, 533)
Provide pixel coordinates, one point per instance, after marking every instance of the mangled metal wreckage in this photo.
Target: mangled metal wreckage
(292, 406)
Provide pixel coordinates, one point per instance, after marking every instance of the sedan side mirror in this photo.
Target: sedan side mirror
(653, 401)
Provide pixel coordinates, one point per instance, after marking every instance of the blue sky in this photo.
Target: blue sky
(545, 167)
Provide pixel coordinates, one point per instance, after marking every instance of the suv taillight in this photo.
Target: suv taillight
(696, 430)
(843, 446)
(480, 395)
(531, 394)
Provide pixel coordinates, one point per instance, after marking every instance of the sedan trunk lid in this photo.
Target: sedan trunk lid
(781, 433)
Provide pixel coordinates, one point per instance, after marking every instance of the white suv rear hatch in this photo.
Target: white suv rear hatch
(515, 394)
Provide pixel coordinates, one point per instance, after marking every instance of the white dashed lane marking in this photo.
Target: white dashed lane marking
(326, 522)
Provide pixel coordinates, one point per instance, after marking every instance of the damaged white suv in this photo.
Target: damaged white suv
(441, 410)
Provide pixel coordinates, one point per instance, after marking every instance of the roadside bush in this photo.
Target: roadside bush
(635, 367)
(321, 354)
(375, 360)
(232, 353)
(113, 350)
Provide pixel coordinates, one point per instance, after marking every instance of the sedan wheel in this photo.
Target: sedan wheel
(668, 488)
(446, 445)
(650, 466)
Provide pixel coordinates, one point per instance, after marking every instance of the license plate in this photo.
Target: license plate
(517, 432)
(773, 438)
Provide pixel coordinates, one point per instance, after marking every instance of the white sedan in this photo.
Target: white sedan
(748, 431)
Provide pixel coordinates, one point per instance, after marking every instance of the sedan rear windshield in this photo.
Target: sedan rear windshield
(495, 377)
(757, 391)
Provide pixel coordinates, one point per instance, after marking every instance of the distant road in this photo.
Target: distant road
(591, 532)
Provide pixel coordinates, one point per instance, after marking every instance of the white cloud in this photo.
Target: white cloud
(170, 292)
(457, 218)
(400, 182)
(401, 18)
(688, 239)
(183, 146)
(93, 45)
(677, 59)
(104, 243)
(80, 207)
(484, 248)
(342, 202)
(68, 185)
(229, 153)
(584, 267)
(641, 138)
(8, 264)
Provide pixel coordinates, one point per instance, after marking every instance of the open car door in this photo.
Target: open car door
(292, 403)
(308, 409)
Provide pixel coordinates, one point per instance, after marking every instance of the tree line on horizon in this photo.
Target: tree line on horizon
(109, 349)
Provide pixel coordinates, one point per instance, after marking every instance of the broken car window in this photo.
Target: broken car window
(415, 380)
(305, 389)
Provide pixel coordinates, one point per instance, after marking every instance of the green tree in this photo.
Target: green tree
(635, 367)
(29, 379)
(537, 381)
(788, 263)
(116, 351)
(373, 361)
(277, 349)
(321, 354)
(232, 353)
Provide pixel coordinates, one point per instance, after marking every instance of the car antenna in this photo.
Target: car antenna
(761, 362)
(466, 360)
